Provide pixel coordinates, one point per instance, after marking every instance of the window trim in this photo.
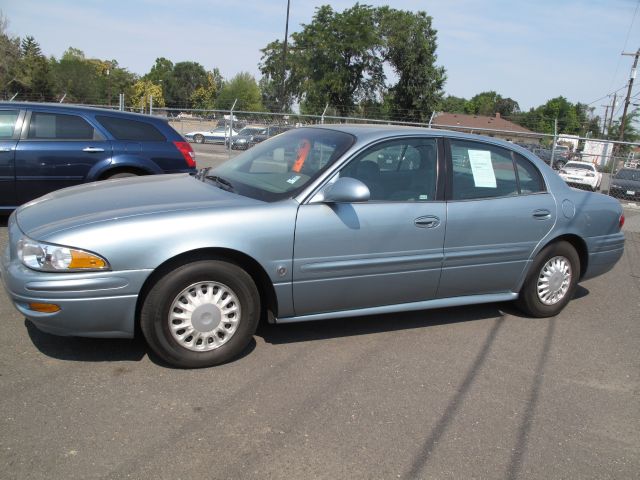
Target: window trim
(17, 128)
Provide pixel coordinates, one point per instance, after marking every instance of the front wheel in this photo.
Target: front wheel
(198, 138)
(551, 282)
(201, 314)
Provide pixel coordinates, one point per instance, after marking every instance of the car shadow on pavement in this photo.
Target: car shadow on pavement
(347, 327)
(86, 349)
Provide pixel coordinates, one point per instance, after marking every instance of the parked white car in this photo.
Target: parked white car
(581, 174)
(217, 135)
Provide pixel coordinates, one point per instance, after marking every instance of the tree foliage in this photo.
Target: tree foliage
(142, 92)
(339, 59)
(244, 88)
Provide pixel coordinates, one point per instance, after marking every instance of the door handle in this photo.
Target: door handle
(427, 222)
(541, 214)
(93, 149)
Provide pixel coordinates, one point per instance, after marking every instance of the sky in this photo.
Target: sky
(528, 50)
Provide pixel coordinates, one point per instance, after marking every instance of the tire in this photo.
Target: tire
(121, 175)
(168, 327)
(558, 263)
(198, 138)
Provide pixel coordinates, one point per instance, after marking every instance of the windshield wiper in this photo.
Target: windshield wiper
(223, 183)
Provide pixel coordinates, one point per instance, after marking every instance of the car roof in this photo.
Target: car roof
(369, 132)
(69, 108)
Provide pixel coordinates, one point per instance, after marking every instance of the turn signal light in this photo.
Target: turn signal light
(44, 307)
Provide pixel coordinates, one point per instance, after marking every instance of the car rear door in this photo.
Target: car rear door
(56, 150)
(498, 210)
(385, 251)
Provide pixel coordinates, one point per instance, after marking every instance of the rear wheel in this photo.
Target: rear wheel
(551, 282)
(198, 138)
(201, 314)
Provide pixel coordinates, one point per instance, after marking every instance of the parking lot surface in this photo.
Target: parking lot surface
(473, 392)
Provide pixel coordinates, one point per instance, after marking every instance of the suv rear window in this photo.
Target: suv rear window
(123, 129)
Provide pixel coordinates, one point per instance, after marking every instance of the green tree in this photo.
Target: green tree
(9, 58)
(339, 59)
(452, 104)
(33, 72)
(141, 93)
(244, 88)
(489, 103)
(185, 78)
(204, 97)
(409, 46)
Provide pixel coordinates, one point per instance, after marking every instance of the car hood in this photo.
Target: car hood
(115, 199)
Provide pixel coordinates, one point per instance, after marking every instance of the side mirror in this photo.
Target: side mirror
(346, 190)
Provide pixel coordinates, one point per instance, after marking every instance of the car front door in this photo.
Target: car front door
(385, 251)
(498, 210)
(55, 151)
(9, 132)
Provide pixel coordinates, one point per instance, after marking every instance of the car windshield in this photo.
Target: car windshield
(581, 166)
(282, 166)
(628, 175)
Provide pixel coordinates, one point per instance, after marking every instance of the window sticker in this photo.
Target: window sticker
(294, 179)
(482, 169)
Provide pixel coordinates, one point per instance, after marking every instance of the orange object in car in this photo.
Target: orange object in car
(303, 153)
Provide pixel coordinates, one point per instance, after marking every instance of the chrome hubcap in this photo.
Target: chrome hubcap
(204, 316)
(554, 280)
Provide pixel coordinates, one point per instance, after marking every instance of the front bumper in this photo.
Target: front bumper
(92, 304)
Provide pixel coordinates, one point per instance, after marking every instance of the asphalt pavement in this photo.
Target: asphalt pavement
(473, 392)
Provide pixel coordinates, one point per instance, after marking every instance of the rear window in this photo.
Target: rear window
(123, 129)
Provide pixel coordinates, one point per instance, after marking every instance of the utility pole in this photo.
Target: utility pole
(284, 58)
(606, 115)
(628, 99)
(613, 107)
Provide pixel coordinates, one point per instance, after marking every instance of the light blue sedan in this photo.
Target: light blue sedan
(313, 224)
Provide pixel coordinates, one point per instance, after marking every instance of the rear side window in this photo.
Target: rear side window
(55, 126)
(124, 129)
(488, 171)
(7, 123)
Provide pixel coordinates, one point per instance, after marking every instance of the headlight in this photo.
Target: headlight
(57, 258)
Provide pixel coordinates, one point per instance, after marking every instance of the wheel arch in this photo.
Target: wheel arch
(578, 244)
(268, 298)
(122, 169)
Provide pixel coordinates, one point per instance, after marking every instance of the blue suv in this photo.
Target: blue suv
(44, 147)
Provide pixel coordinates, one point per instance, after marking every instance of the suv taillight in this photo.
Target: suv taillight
(187, 152)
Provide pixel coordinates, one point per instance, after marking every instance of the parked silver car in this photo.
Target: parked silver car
(316, 223)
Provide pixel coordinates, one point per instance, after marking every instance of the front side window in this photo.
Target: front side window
(283, 166)
(55, 126)
(488, 171)
(400, 170)
(8, 120)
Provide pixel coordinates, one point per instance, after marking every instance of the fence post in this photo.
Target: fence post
(63, 97)
(121, 99)
(12, 98)
(324, 111)
(150, 104)
(231, 125)
(555, 140)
